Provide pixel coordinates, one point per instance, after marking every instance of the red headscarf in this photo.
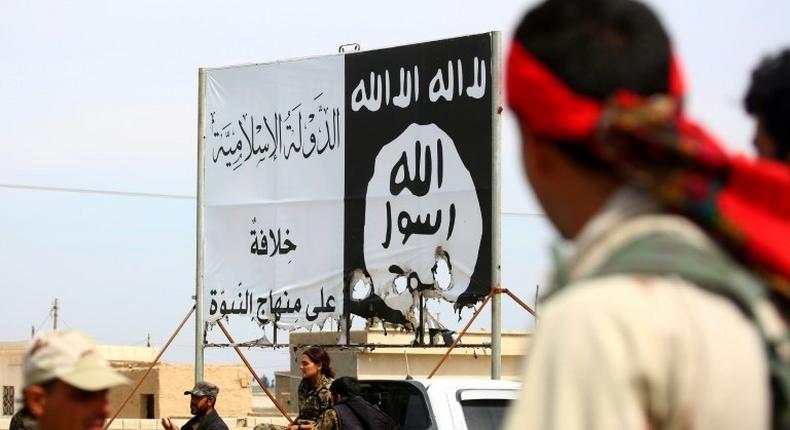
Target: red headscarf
(744, 203)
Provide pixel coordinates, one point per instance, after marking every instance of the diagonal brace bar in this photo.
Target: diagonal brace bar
(255, 375)
(151, 366)
(463, 332)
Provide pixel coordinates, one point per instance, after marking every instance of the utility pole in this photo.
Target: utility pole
(496, 213)
(55, 315)
(200, 326)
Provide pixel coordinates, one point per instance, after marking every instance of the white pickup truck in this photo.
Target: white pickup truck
(442, 403)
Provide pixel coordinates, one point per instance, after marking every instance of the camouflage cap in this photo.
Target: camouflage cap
(71, 357)
(204, 389)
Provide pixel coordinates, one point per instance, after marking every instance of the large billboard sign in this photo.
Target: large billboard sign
(354, 183)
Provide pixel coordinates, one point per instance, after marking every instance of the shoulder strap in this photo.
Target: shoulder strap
(660, 253)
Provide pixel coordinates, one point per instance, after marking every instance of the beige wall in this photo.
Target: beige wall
(169, 381)
(11, 355)
(387, 362)
(393, 363)
(134, 372)
(11, 369)
(467, 365)
(282, 389)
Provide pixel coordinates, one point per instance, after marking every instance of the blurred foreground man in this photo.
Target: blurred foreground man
(768, 100)
(663, 315)
(66, 382)
(203, 397)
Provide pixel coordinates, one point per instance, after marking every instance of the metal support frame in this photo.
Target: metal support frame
(151, 366)
(254, 374)
(495, 292)
(342, 346)
(496, 337)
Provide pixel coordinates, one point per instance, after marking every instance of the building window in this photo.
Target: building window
(8, 400)
(147, 406)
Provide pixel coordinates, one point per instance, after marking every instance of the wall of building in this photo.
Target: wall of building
(11, 356)
(135, 407)
(469, 364)
(11, 373)
(387, 362)
(167, 382)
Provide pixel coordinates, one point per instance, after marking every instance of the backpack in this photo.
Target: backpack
(662, 253)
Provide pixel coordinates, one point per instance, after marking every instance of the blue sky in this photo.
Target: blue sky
(103, 95)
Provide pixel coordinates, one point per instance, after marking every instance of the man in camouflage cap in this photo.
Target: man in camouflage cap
(66, 382)
(201, 405)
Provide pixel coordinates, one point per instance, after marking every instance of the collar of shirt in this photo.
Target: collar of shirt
(626, 202)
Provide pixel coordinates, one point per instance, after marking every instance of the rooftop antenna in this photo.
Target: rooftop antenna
(55, 315)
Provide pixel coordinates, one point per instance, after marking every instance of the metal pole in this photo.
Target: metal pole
(254, 375)
(421, 328)
(493, 292)
(151, 366)
(200, 326)
(496, 337)
(496, 302)
(346, 326)
(520, 302)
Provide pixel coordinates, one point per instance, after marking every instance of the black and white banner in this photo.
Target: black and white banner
(349, 183)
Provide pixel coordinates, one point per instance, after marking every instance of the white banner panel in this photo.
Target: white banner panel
(274, 192)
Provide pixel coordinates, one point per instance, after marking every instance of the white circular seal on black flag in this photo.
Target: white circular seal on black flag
(421, 206)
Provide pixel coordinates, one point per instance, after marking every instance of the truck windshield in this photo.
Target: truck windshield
(484, 413)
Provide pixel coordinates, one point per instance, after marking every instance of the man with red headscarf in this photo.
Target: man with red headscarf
(664, 314)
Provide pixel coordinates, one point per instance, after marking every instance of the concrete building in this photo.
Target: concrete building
(162, 392)
(160, 395)
(11, 374)
(387, 362)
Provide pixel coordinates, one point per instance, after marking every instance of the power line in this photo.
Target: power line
(95, 191)
(174, 196)
(49, 314)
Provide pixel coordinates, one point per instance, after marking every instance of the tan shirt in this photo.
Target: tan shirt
(640, 352)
